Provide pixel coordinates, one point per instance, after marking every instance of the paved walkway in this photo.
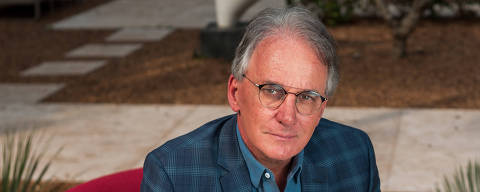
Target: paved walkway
(414, 148)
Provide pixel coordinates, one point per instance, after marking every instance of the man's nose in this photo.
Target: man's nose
(287, 111)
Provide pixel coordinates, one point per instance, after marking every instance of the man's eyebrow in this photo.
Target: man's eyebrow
(283, 86)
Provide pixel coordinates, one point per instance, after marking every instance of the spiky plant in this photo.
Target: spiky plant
(22, 158)
(465, 179)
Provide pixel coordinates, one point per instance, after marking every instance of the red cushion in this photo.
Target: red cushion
(125, 181)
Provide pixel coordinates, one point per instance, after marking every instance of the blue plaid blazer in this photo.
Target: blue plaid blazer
(337, 158)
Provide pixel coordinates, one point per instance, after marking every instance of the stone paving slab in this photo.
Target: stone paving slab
(414, 148)
(104, 50)
(432, 144)
(153, 13)
(142, 34)
(52, 68)
(198, 116)
(96, 139)
(26, 93)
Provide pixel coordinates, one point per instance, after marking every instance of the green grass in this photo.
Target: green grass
(465, 179)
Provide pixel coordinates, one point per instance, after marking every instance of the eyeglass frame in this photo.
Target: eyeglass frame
(260, 86)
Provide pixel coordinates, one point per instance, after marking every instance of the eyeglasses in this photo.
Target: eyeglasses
(273, 95)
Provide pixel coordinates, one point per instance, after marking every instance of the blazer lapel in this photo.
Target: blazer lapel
(236, 180)
(314, 178)
(235, 175)
(315, 168)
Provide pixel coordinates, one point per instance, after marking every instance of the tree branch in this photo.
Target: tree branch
(382, 7)
(410, 20)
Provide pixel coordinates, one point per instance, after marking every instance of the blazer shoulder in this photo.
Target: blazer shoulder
(204, 135)
(332, 140)
(346, 153)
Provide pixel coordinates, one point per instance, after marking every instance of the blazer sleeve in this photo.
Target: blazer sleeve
(374, 185)
(155, 179)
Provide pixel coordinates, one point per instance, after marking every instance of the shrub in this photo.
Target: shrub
(465, 179)
(331, 12)
(22, 158)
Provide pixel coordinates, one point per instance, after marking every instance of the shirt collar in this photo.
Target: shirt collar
(256, 169)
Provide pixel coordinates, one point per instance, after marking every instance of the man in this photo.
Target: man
(283, 74)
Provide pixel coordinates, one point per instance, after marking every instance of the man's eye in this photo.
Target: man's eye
(271, 91)
(307, 97)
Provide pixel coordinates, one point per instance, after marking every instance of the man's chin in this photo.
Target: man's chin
(279, 155)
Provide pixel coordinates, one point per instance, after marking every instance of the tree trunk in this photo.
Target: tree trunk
(399, 46)
(402, 27)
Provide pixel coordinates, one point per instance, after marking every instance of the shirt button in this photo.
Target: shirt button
(267, 175)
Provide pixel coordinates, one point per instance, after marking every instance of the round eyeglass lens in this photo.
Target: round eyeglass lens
(271, 95)
(308, 102)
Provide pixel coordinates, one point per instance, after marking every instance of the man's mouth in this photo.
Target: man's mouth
(283, 136)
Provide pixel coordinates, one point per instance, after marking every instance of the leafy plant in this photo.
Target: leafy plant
(458, 6)
(336, 12)
(331, 12)
(465, 179)
(21, 159)
(403, 24)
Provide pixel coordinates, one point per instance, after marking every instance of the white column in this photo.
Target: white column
(229, 11)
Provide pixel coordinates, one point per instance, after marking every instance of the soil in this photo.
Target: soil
(440, 71)
(52, 186)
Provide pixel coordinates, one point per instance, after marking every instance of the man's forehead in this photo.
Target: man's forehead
(288, 61)
(287, 35)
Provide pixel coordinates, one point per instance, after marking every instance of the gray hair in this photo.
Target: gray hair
(297, 21)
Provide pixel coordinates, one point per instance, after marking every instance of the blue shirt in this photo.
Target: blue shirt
(263, 179)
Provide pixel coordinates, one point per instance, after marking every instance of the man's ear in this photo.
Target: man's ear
(232, 93)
